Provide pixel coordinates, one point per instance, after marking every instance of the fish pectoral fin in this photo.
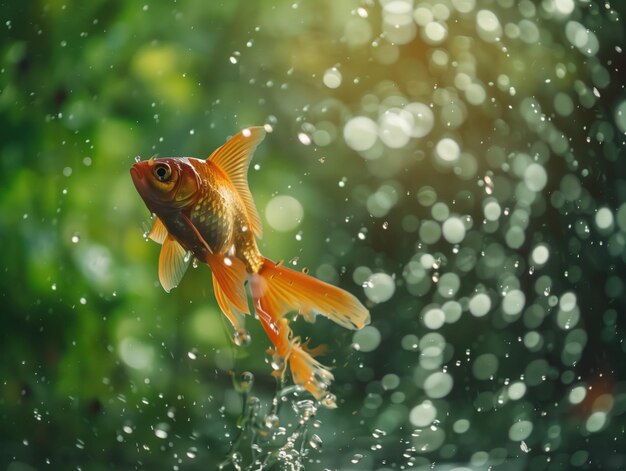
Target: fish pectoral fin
(173, 263)
(194, 229)
(158, 233)
(233, 158)
(229, 278)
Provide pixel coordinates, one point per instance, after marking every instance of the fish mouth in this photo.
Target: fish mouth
(136, 174)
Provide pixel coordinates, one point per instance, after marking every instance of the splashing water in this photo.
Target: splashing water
(273, 434)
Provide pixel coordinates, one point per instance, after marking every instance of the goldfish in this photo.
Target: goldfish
(204, 209)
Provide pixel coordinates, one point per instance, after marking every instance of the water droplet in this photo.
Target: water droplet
(83, 300)
(246, 380)
(54, 286)
(329, 401)
(161, 430)
(378, 433)
(137, 159)
(192, 452)
(304, 139)
(192, 355)
(75, 239)
(242, 337)
(271, 421)
(315, 442)
(237, 458)
(332, 78)
(488, 185)
(277, 362)
(356, 458)
(305, 409)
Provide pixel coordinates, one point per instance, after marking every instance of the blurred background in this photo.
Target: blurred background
(456, 164)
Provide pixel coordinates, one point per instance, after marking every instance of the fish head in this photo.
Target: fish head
(171, 183)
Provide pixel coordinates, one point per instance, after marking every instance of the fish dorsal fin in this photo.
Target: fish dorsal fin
(158, 233)
(173, 262)
(234, 158)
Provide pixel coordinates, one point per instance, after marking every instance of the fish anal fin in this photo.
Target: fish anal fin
(229, 277)
(158, 233)
(173, 262)
(233, 158)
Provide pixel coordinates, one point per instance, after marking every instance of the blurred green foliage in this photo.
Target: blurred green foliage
(95, 354)
(101, 369)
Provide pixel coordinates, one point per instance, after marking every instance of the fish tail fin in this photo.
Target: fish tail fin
(289, 290)
(278, 290)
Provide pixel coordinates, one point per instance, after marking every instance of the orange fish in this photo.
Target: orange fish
(204, 208)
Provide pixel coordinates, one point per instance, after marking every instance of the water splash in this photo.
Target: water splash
(271, 434)
(242, 338)
(246, 380)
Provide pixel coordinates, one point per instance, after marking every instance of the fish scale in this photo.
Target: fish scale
(211, 219)
(225, 224)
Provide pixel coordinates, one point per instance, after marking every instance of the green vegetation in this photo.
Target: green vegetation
(456, 164)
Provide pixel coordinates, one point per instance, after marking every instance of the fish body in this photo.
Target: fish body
(205, 208)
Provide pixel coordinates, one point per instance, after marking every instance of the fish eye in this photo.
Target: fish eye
(162, 172)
